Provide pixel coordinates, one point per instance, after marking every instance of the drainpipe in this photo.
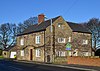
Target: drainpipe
(51, 57)
(53, 43)
(44, 48)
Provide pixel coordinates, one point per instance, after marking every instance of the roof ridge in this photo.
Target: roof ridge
(50, 19)
(38, 27)
(72, 22)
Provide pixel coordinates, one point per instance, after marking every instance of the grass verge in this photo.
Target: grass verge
(1, 57)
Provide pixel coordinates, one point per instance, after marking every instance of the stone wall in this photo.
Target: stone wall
(77, 43)
(30, 43)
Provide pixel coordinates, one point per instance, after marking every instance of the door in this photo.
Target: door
(31, 54)
(48, 58)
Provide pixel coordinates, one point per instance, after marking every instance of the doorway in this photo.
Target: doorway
(48, 58)
(31, 54)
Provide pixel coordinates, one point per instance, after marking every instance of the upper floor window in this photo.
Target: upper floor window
(69, 39)
(60, 25)
(85, 41)
(61, 40)
(22, 41)
(38, 52)
(37, 39)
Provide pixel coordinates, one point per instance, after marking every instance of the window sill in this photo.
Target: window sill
(38, 56)
(61, 42)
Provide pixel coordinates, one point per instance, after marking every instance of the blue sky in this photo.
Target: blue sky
(15, 11)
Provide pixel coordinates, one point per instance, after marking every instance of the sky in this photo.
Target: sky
(16, 11)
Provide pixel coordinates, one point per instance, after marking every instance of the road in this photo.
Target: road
(6, 65)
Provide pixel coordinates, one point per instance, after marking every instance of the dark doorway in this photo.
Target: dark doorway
(97, 53)
(31, 54)
(48, 58)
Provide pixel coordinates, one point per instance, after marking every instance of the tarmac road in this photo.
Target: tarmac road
(6, 65)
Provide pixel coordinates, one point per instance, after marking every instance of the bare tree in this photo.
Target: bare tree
(30, 21)
(7, 35)
(27, 23)
(94, 26)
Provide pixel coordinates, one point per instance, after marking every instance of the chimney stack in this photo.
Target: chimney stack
(41, 18)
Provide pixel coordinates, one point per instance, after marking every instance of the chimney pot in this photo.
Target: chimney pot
(41, 18)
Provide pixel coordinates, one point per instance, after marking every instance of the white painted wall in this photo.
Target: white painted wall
(12, 54)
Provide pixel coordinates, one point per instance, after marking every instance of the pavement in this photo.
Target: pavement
(14, 65)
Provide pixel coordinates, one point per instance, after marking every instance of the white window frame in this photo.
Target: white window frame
(22, 52)
(61, 40)
(61, 53)
(85, 41)
(69, 39)
(38, 52)
(38, 38)
(21, 41)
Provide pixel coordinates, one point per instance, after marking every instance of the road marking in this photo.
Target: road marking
(19, 69)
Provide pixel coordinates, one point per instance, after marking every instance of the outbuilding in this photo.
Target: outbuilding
(10, 52)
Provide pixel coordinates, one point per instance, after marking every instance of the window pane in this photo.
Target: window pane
(85, 41)
(69, 39)
(38, 52)
(59, 25)
(60, 53)
(22, 52)
(61, 40)
(22, 42)
(37, 39)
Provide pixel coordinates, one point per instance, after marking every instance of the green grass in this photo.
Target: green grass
(1, 57)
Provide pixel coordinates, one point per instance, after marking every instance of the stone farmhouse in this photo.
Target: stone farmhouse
(53, 38)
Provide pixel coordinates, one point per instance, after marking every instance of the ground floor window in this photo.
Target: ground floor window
(86, 54)
(38, 52)
(22, 52)
(60, 53)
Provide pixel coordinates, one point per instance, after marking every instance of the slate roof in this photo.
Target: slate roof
(9, 48)
(42, 26)
(38, 27)
(78, 27)
(12, 48)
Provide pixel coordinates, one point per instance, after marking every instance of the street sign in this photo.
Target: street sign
(68, 46)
